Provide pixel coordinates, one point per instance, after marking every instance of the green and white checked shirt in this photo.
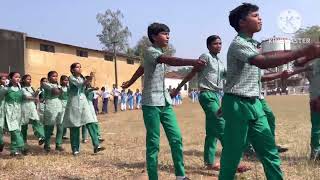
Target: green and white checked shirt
(243, 79)
(210, 77)
(314, 79)
(154, 92)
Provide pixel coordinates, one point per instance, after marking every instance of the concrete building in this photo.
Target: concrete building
(29, 55)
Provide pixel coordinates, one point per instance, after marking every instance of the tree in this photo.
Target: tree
(312, 32)
(114, 35)
(144, 43)
(113, 31)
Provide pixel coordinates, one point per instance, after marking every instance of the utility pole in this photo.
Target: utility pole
(115, 63)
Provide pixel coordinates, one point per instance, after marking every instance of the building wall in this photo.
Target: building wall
(173, 83)
(11, 51)
(39, 63)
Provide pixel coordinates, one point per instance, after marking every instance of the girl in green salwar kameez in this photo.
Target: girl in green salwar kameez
(29, 111)
(3, 89)
(78, 111)
(64, 85)
(52, 111)
(12, 110)
(89, 94)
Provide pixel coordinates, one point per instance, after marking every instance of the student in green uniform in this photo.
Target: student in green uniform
(41, 98)
(89, 94)
(52, 111)
(78, 111)
(313, 75)
(3, 90)
(241, 107)
(12, 110)
(29, 111)
(156, 102)
(64, 83)
(210, 84)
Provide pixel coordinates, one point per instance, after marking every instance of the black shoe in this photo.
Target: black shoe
(282, 149)
(1, 147)
(84, 141)
(98, 149)
(15, 154)
(315, 155)
(75, 153)
(186, 178)
(47, 149)
(250, 152)
(101, 139)
(41, 141)
(25, 151)
(59, 148)
(65, 137)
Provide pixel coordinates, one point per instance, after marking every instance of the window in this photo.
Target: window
(47, 48)
(108, 57)
(185, 87)
(130, 61)
(82, 53)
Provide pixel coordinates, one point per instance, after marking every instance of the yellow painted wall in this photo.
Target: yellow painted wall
(39, 63)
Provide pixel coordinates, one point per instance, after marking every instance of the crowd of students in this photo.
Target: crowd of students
(126, 100)
(63, 105)
(240, 119)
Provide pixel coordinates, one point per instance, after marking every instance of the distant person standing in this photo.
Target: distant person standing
(96, 95)
(138, 98)
(105, 97)
(130, 99)
(115, 94)
(123, 106)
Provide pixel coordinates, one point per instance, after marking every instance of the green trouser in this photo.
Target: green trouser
(245, 118)
(210, 104)
(17, 143)
(270, 116)
(315, 131)
(98, 129)
(84, 132)
(37, 127)
(1, 136)
(48, 129)
(75, 136)
(153, 116)
(64, 132)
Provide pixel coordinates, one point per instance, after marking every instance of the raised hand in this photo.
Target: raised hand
(125, 84)
(174, 93)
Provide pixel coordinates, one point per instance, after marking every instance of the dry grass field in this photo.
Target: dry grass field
(124, 157)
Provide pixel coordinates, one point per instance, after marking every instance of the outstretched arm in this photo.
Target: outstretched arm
(174, 61)
(184, 81)
(265, 61)
(283, 75)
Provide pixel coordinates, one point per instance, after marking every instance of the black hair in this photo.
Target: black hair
(42, 79)
(211, 39)
(103, 89)
(10, 77)
(155, 28)
(62, 78)
(240, 13)
(74, 65)
(50, 73)
(23, 79)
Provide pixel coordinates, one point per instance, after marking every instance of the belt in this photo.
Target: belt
(206, 90)
(242, 97)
